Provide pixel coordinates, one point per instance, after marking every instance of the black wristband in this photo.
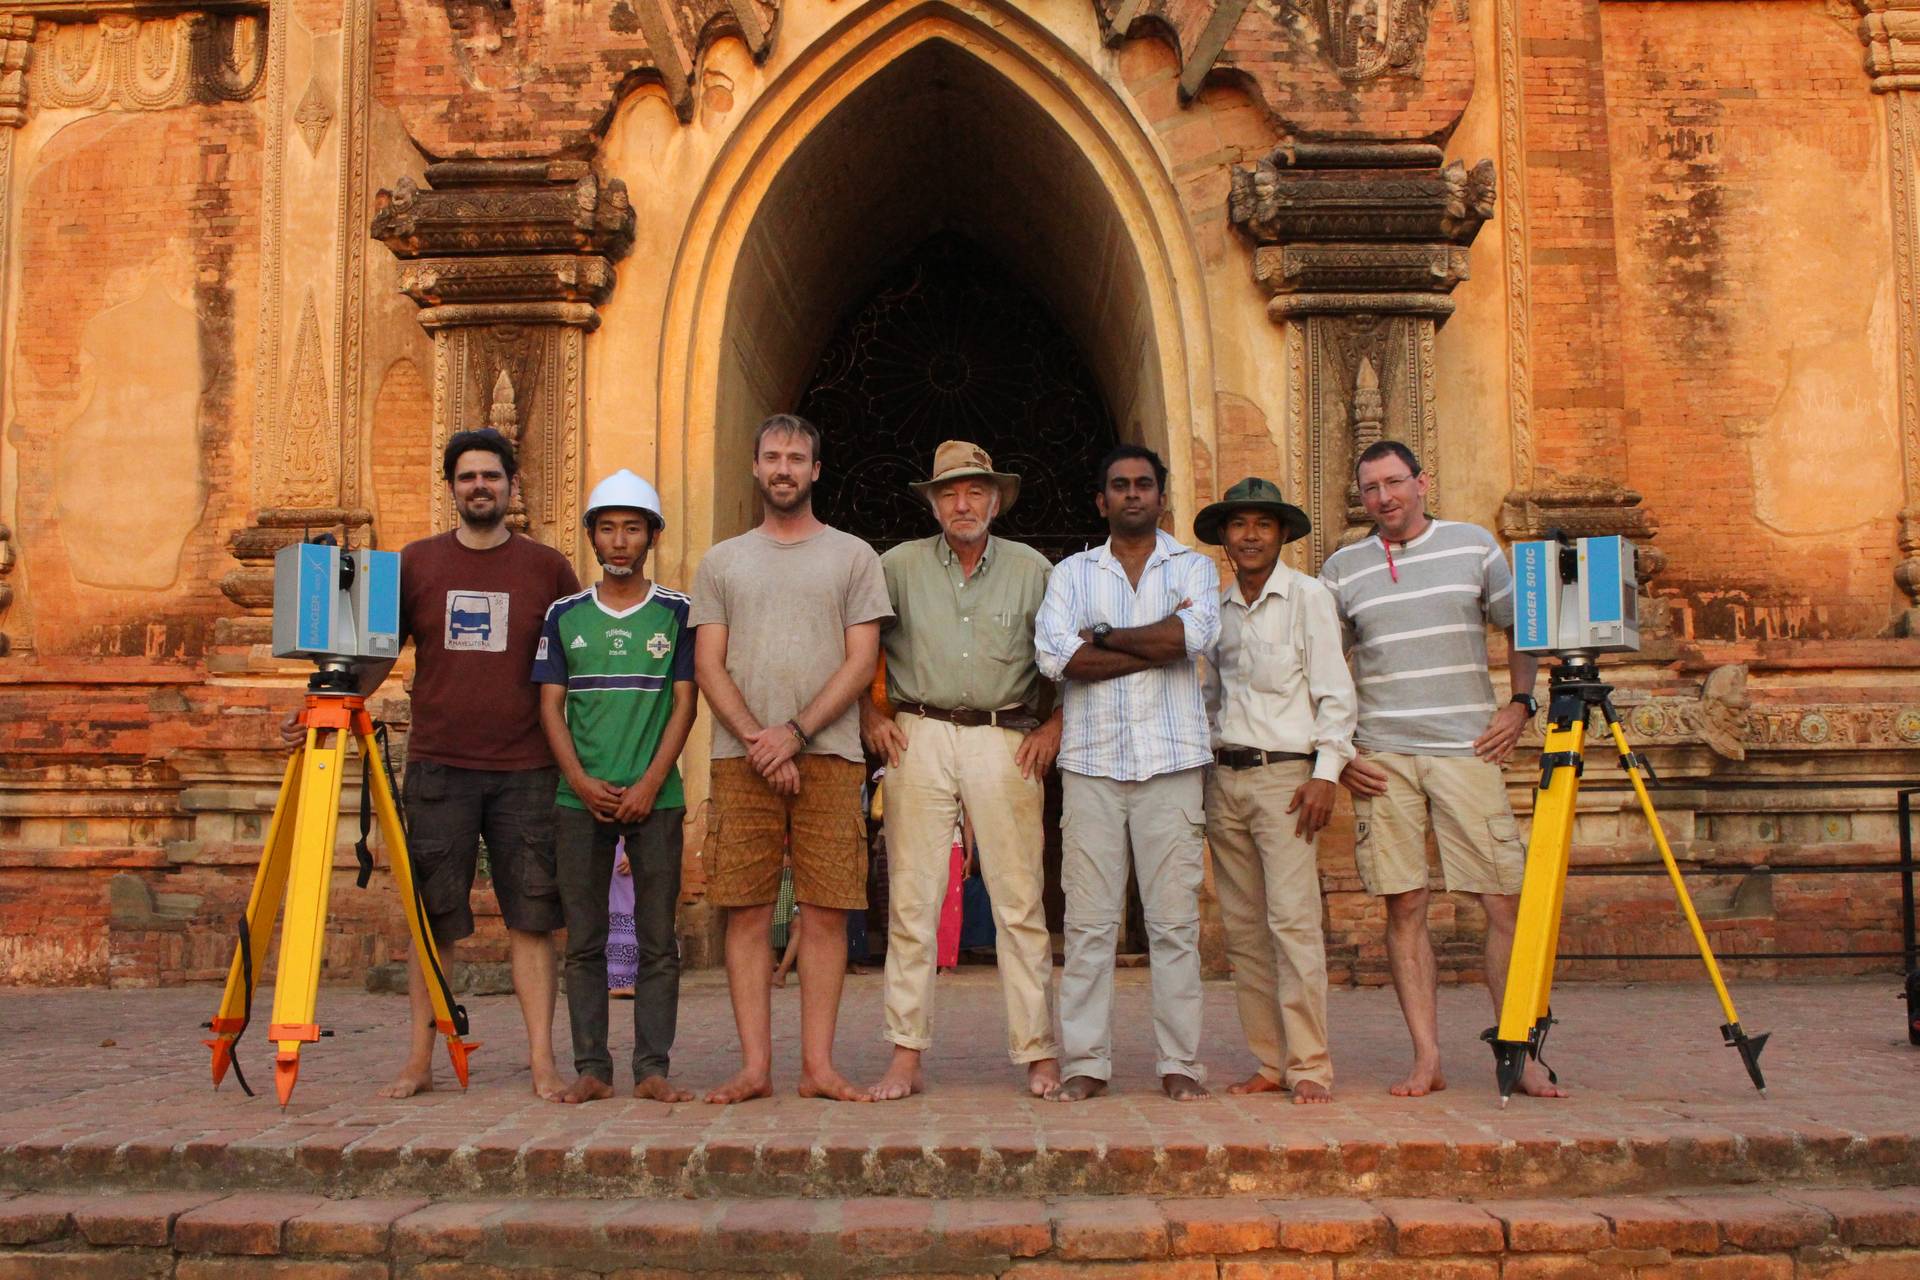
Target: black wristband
(799, 733)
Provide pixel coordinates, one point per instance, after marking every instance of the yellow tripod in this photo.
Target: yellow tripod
(1575, 691)
(297, 867)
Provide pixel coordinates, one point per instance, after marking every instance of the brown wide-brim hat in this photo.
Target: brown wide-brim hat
(963, 459)
(1251, 494)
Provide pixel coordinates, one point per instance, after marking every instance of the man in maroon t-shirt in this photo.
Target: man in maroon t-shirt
(478, 765)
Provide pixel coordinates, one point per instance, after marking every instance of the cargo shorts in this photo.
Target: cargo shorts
(449, 811)
(1464, 799)
(751, 825)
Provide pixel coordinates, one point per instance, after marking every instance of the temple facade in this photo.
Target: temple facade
(1644, 267)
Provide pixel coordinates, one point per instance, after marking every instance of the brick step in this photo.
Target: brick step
(1777, 1234)
(341, 1161)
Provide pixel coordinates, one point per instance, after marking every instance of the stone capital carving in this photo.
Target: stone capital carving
(505, 207)
(16, 59)
(1891, 31)
(508, 261)
(1359, 246)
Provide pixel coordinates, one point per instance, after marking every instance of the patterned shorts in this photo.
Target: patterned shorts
(752, 824)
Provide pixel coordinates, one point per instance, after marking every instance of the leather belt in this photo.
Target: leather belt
(1254, 758)
(967, 718)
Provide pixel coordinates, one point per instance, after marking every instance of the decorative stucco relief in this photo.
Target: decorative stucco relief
(149, 64)
(1725, 717)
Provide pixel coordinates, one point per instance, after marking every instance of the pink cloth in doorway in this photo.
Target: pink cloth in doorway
(948, 953)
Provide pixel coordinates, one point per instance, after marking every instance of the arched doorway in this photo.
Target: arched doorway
(913, 118)
(950, 345)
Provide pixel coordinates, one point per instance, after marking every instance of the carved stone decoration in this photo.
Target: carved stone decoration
(1891, 31)
(149, 64)
(1364, 70)
(1729, 721)
(1359, 247)
(302, 449)
(1373, 38)
(508, 261)
(6, 590)
(16, 56)
(312, 116)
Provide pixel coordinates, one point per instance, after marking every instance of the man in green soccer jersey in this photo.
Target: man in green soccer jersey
(615, 666)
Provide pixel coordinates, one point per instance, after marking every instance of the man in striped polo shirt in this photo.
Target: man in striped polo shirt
(1415, 600)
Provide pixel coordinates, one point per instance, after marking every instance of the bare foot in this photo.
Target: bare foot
(1184, 1088)
(832, 1086)
(903, 1078)
(1255, 1083)
(1535, 1083)
(1043, 1077)
(585, 1089)
(744, 1087)
(1311, 1091)
(415, 1077)
(1078, 1089)
(548, 1083)
(780, 978)
(1425, 1078)
(660, 1089)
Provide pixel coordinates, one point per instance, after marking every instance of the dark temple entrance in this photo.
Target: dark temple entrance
(950, 346)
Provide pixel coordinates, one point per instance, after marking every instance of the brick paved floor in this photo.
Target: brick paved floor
(101, 1088)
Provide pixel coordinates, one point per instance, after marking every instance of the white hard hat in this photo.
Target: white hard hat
(627, 490)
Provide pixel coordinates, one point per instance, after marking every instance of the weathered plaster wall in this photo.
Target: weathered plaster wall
(1756, 313)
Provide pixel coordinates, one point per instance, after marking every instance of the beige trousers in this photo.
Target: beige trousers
(1268, 881)
(945, 767)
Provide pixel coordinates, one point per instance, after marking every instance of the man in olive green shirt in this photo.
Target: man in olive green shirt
(965, 732)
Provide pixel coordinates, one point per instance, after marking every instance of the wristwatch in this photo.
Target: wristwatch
(1527, 700)
(1101, 630)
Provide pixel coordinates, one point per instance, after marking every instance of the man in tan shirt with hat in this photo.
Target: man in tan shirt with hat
(1282, 707)
(967, 730)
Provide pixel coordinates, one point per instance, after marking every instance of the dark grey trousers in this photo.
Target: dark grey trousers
(584, 868)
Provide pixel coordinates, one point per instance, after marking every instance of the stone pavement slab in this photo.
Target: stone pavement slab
(111, 1089)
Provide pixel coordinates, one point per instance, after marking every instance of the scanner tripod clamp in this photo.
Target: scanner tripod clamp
(341, 618)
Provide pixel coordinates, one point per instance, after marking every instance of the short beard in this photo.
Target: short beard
(803, 495)
(486, 524)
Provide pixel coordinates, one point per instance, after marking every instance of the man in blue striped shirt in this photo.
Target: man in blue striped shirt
(1122, 625)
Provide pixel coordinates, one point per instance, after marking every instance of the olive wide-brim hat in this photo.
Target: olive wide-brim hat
(963, 459)
(1251, 494)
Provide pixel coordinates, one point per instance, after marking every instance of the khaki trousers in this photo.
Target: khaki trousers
(1156, 824)
(1268, 880)
(947, 766)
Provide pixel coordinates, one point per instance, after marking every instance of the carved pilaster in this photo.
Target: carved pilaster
(1360, 246)
(1891, 32)
(16, 60)
(508, 262)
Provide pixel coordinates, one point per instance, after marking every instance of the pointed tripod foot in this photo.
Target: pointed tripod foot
(222, 1048)
(459, 1051)
(1749, 1048)
(286, 1073)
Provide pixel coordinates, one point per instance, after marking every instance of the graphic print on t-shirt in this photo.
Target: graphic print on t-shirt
(476, 621)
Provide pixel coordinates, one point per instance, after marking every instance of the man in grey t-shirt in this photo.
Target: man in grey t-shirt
(1416, 599)
(789, 618)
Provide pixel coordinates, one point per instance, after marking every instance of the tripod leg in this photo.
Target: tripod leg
(1748, 1046)
(449, 1018)
(296, 989)
(1523, 1009)
(263, 905)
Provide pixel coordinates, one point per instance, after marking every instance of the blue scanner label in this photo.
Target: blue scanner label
(1603, 579)
(316, 597)
(1530, 594)
(383, 593)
